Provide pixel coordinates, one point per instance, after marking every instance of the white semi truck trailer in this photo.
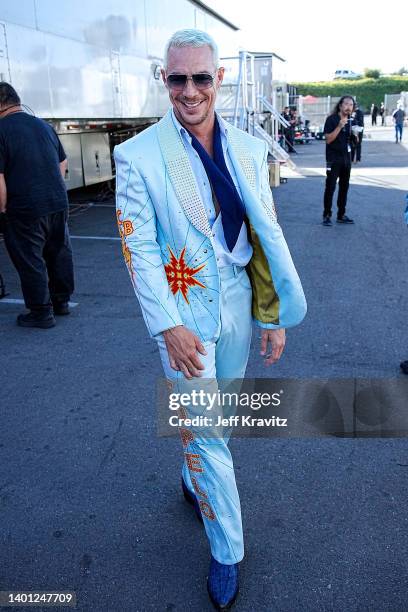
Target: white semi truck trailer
(92, 68)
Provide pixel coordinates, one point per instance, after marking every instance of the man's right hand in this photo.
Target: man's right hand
(343, 121)
(182, 346)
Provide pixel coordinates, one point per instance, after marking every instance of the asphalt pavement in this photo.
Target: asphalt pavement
(90, 497)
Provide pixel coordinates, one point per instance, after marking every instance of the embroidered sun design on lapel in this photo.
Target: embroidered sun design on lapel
(180, 276)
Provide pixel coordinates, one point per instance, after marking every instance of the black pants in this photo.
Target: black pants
(290, 137)
(356, 147)
(40, 250)
(336, 170)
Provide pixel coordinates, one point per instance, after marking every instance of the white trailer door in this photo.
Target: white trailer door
(5, 74)
(116, 84)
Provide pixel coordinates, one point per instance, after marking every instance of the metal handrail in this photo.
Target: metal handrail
(268, 106)
(249, 104)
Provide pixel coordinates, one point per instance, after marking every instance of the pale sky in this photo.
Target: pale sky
(318, 37)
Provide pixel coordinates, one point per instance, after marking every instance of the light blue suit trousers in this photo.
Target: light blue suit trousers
(208, 469)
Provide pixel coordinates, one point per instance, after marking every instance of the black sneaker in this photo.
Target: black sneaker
(345, 219)
(61, 308)
(404, 366)
(35, 319)
(326, 222)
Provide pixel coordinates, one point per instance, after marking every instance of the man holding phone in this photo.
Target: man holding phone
(338, 134)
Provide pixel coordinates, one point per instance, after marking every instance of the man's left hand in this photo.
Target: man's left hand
(3, 194)
(276, 339)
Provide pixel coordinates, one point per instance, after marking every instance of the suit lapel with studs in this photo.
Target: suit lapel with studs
(181, 174)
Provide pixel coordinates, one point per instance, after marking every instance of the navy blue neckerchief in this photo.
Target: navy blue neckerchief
(232, 208)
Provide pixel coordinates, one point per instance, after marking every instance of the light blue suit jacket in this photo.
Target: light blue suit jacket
(167, 241)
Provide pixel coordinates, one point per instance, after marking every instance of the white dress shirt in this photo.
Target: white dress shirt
(242, 251)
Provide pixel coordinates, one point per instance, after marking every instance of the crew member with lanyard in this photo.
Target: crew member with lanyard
(338, 135)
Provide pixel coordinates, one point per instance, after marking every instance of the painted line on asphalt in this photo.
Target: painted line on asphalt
(362, 171)
(92, 205)
(360, 175)
(94, 237)
(20, 301)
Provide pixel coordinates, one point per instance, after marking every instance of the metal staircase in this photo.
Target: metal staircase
(251, 111)
(274, 147)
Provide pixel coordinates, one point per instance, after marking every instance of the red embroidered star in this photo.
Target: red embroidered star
(180, 275)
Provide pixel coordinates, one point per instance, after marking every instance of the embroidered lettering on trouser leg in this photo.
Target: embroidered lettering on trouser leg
(197, 488)
(187, 436)
(206, 510)
(193, 462)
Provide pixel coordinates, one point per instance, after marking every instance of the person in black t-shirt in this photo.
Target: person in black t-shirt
(338, 134)
(374, 113)
(34, 211)
(382, 113)
(289, 131)
(358, 134)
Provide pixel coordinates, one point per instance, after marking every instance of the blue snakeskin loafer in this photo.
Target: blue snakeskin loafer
(223, 584)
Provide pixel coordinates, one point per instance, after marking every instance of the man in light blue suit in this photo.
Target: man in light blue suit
(206, 257)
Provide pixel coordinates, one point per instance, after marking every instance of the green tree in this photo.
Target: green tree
(372, 73)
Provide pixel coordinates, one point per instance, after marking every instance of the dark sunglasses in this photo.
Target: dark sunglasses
(201, 80)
